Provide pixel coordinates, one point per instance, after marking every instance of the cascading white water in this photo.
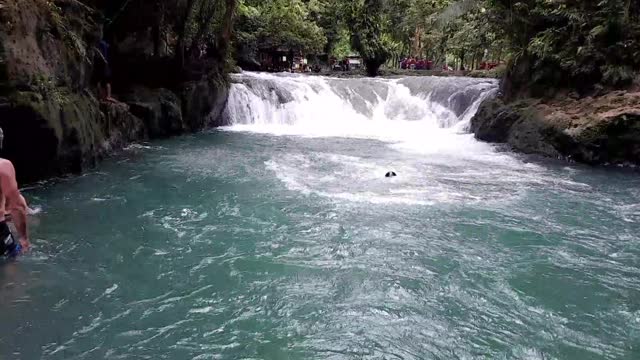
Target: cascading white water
(395, 110)
(422, 120)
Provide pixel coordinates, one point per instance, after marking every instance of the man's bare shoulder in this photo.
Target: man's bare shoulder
(6, 168)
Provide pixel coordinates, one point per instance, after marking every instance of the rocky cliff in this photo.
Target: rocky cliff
(591, 124)
(51, 117)
(595, 130)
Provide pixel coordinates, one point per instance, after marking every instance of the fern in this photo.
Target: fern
(617, 75)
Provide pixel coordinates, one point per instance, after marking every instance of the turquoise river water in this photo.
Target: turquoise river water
(278, 237)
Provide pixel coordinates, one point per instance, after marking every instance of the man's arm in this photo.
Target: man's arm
(18, 211)
(15, 202)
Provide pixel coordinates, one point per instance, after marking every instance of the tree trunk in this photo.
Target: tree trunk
(180, 46)
(227, 27)
(156, 40)
(203, 21)
(416, 42)
(372, 66)
(155, 30)
(627, 10)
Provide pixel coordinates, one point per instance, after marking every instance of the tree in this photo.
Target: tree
(328, 16)
(573, 44)
(277, 24)
(187, 38)
(342, 47)
(367, 37)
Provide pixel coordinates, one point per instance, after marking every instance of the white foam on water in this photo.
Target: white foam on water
(418, 116)
(106, 293)
(361, 180)
(34, 210)
(425, 120)
(380, 109)
(111, 289)
(136, 146)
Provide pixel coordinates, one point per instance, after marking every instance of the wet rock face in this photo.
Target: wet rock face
(159, 109)
(48, 136)
(203, 102)
(494, 120)
(615, 140)
(47, 43)
(52, 120)
(28, 141)
(602, 130)
(517, 124)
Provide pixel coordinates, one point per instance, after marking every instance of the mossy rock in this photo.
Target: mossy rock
(160, 109)
(203, 102)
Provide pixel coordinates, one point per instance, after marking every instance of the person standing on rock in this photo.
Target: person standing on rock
(102, 71)
(11, 199)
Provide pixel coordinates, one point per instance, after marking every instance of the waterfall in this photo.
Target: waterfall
(385, 109)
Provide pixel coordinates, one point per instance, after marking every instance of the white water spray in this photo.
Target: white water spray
(392, 110)
(419, 115)
(423, 118)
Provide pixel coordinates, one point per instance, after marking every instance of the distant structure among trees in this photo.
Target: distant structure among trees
(577, 44)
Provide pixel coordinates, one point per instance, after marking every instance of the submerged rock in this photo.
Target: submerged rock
(599, 130)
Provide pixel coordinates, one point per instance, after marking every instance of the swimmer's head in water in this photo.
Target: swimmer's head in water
(390, 174)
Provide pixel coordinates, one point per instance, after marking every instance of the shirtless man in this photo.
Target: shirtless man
(11, 199)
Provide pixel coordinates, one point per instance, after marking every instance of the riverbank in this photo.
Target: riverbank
(52, 118)
(601, 130)
(398, 73)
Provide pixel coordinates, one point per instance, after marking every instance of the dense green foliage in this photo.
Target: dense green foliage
(579, 44)
(573, 43)
(181, 29)
(367, 37)
(278, 25)
(382, 31)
